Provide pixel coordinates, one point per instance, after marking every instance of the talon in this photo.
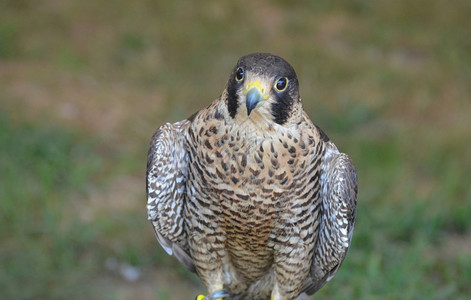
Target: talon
(219, 295)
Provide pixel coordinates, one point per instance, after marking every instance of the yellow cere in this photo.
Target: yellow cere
(258, 85)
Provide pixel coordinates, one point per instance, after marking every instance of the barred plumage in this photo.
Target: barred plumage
(249, 193)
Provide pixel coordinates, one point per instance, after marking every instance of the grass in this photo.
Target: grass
(83, 86)
(41, 247)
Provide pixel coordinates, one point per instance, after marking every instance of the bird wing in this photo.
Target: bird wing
(339, 188)
(167, 173)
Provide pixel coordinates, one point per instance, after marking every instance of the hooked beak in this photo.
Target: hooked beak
(252, 99)
(254, 96)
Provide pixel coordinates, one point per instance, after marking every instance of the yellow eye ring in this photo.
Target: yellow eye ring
(281, 84)
(239, 75)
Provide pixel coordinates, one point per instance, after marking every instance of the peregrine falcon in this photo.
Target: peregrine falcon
(249, 193)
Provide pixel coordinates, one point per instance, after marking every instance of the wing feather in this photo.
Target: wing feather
(167, 173)
(339, 188)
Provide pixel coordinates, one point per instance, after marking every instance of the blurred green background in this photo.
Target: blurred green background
(83, 85)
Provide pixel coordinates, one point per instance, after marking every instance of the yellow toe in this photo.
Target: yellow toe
(200, 297)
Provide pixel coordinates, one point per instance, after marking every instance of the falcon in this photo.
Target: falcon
(249, 193)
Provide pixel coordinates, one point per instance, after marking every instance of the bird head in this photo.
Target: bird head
(262, 86)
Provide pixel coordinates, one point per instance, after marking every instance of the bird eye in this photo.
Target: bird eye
(281, 84)
(239, 74)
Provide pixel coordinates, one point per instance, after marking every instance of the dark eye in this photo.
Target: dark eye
(239, 74)
(281, 84)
